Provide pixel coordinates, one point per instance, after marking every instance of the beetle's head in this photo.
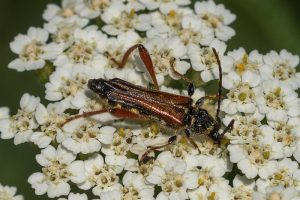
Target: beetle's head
(98, 86)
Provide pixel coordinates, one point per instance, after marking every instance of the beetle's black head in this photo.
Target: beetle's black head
(98, 86)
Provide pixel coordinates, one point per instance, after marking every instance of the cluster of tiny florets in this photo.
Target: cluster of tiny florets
(259, 158)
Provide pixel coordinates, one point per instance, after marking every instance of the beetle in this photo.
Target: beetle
(178, 112)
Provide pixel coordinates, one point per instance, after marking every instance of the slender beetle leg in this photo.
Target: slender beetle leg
(85, 114)
(228, 128)
(188, 134)
(191, 88)
(218, 137)
(144, 55)
(145, 154)
(200, 101)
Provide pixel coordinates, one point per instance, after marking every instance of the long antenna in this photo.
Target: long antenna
(220, 83)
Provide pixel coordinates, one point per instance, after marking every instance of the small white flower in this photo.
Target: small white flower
(9, 193)
(281, 67)
(209, 176)
(255, 156)
(283, 173)
(217, 17)
(217, 166)
(117, 20)
(117, 147)
(240, 98)
(59, 167)
(69, 86)
(169, 24)
(50, 123)
(85, 51)
(277, 101)
(246, 68)
(246, 128)
(77, 196)
(286, 136)
(4, 113)
(194, 31)
(33, 50)
(243, 188)
(250, 157)
(182, 23)
(165, 6)
(134, 188)
(182, 149)
(66, 10)
(146, 137)
(85, 136)
(134, 5)
(220, 191)
(172, 176)
(62, 30)
(116, 47)
(204, 60)
(162, 51)
(277, 192)
(99, 176)
(92, 8)
(21, 125)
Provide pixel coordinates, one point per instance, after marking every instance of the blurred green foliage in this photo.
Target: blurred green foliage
(263, 25)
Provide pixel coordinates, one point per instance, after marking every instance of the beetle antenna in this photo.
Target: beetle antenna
(220, 83)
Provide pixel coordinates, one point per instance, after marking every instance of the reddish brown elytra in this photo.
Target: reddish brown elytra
(127, 100)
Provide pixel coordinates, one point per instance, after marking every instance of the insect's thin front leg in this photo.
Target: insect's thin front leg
(85, 114)
(152, 148)
(191, 88)
(200, 101)
(218, 137)
(188, 134)
(228, 128)
(145, 56)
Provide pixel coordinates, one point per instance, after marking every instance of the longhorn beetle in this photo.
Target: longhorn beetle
(127, 100)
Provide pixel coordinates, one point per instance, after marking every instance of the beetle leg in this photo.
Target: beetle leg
(191, 88)
(218, 137)
(188, 134)
(152, 148)
(200, 101)
(117, 112)
(229, 127)
(85, 114)
(145, 56)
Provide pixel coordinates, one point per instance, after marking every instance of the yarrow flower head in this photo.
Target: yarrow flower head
(9, 193)
(121, 119)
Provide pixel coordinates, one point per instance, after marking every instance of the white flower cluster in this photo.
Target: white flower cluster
(9, 193)
(100, 153)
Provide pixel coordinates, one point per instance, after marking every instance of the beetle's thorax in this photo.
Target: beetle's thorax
(199, 120)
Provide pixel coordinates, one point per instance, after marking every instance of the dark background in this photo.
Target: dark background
(263, 25)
